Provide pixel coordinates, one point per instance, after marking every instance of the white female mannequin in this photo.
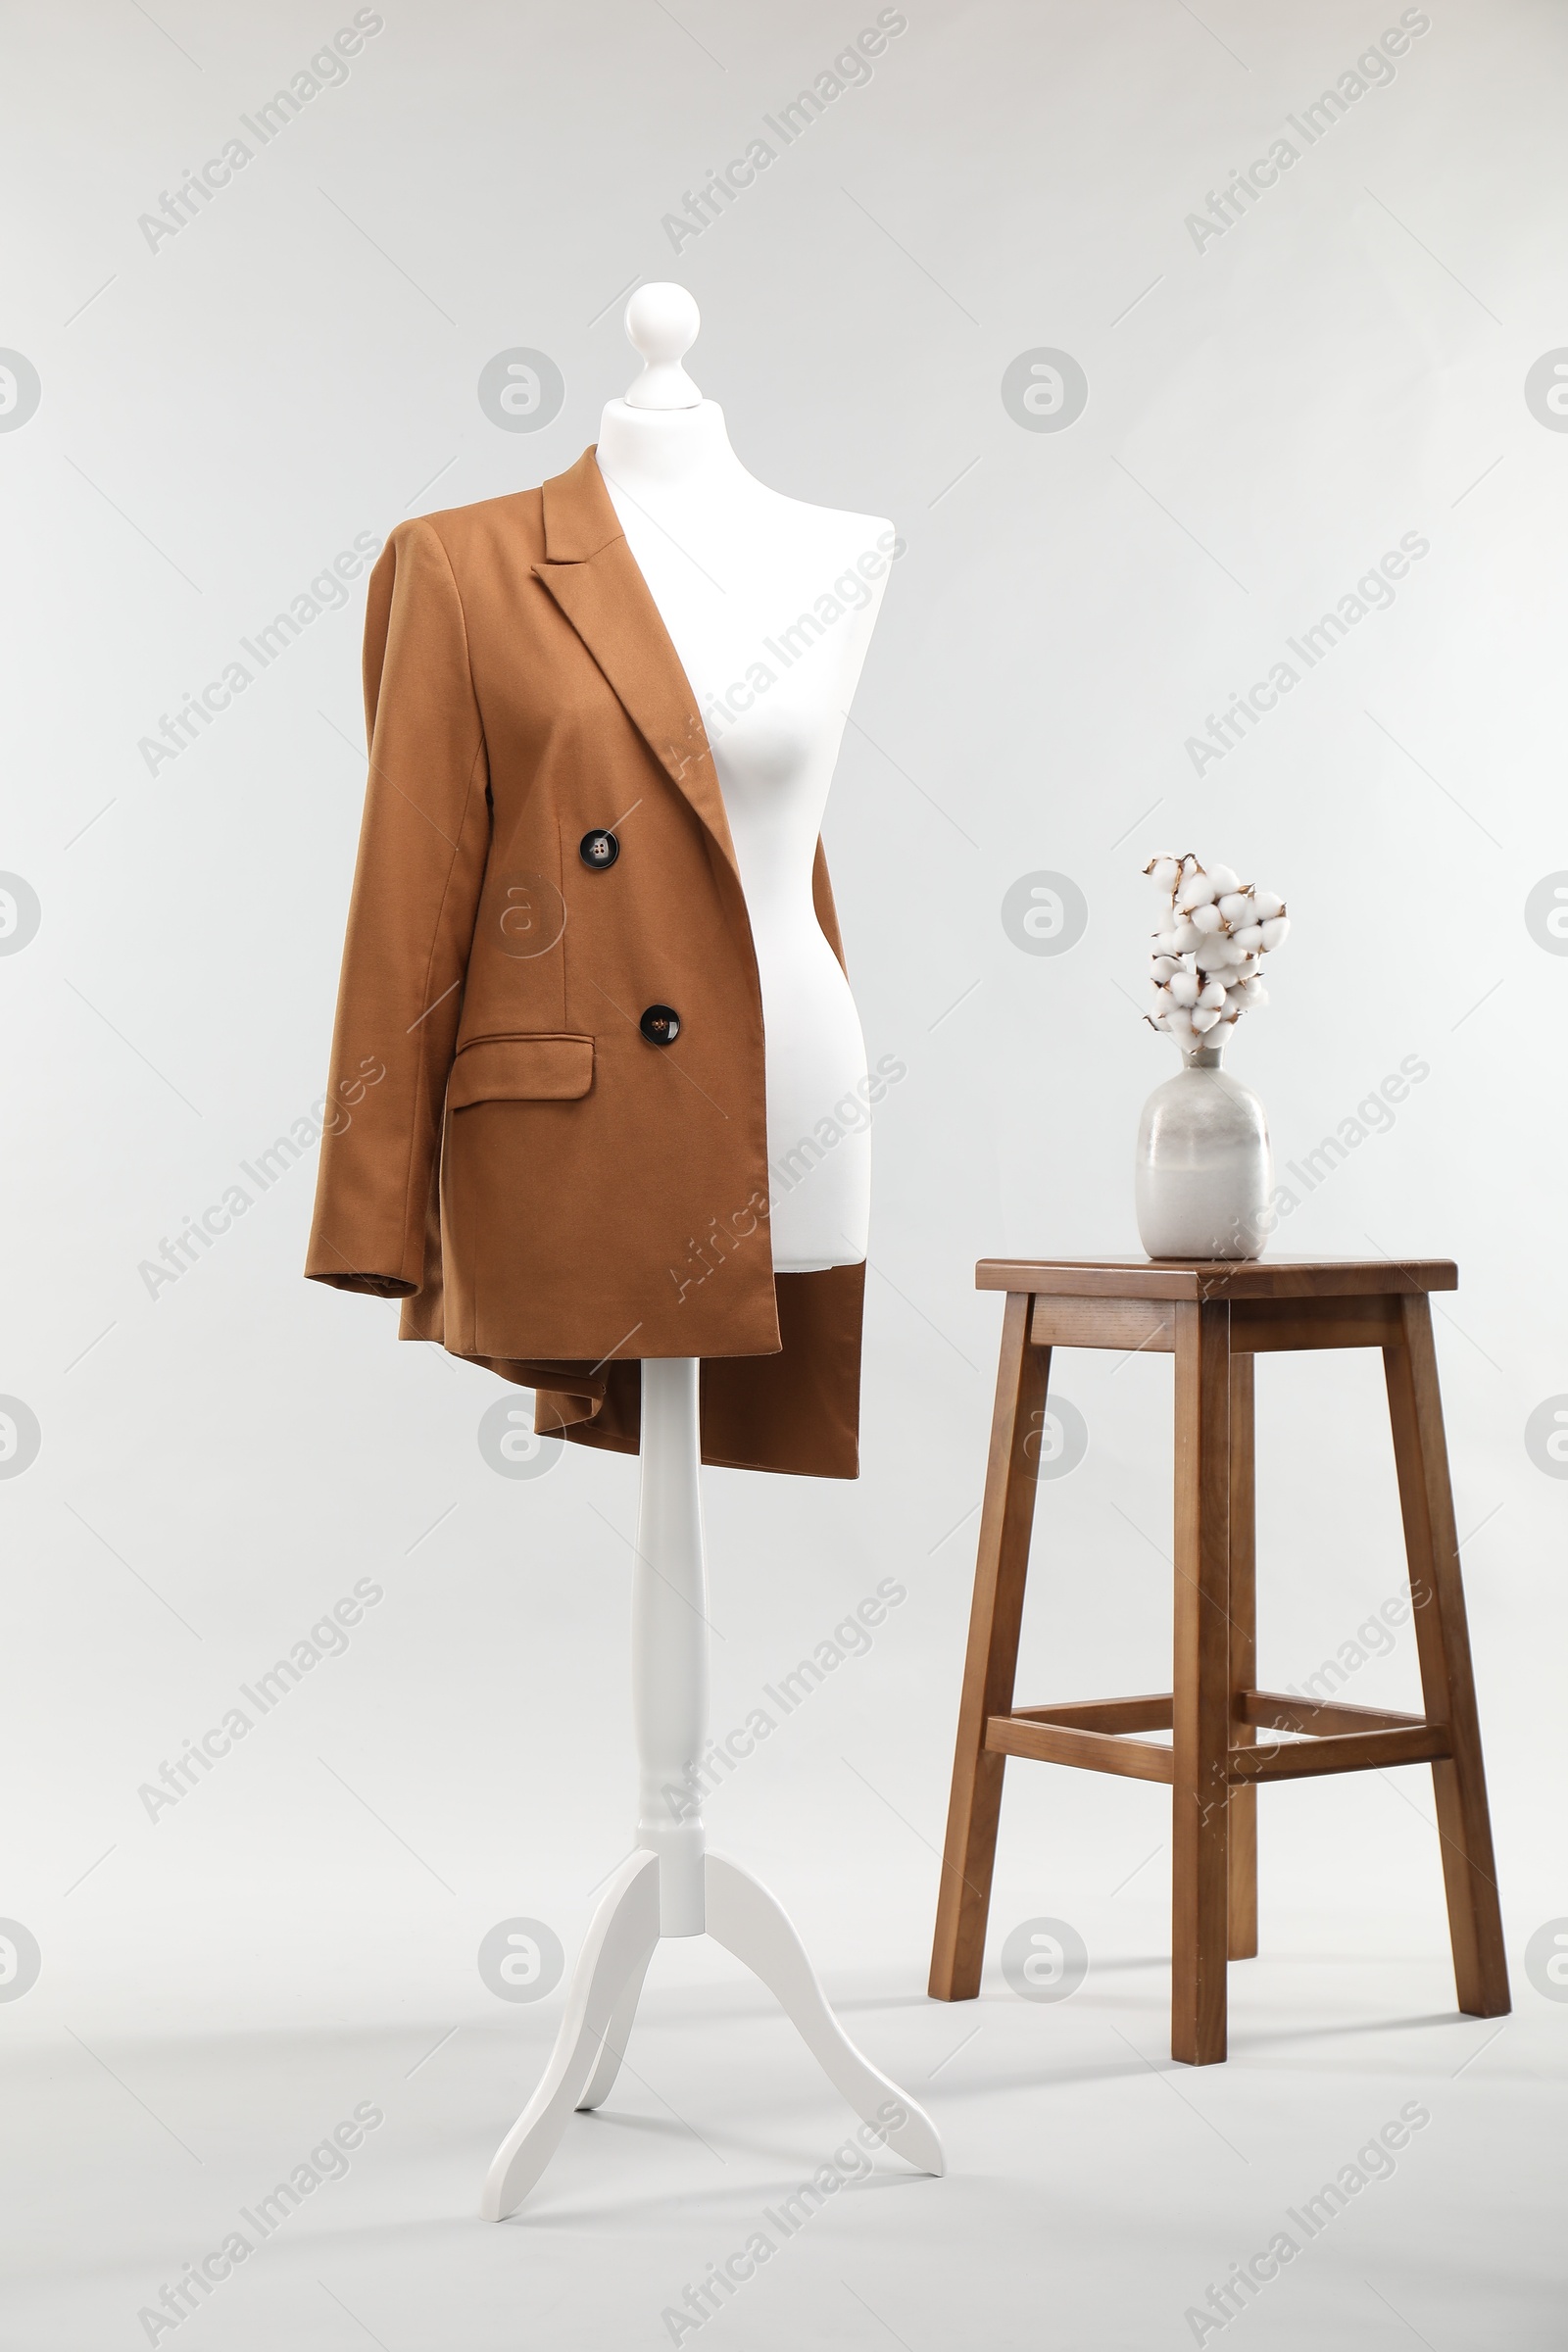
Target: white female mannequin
(731, 566)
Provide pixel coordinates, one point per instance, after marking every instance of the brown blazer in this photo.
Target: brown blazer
(550, 1192)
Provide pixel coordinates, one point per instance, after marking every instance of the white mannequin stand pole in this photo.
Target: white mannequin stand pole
(671, 1885)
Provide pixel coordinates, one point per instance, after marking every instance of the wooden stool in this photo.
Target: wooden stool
(1214, 1316)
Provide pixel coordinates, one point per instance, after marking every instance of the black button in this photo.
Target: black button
(599, 849)
(661, 1024)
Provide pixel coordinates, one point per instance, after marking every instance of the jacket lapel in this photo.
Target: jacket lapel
(593, 577)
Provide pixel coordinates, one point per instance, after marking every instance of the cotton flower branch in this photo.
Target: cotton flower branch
(1207, 957)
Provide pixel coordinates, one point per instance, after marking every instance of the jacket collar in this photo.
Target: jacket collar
(594, 578)
(579, 516)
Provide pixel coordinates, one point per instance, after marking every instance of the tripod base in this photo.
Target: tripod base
(742, 1916)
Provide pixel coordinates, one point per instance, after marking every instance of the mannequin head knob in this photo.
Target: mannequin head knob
(662, 323)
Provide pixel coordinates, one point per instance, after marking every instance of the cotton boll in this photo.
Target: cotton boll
(1179, 1021)
(1251, 992)
(1249, 938)
(1187, 937)
(1225, 880)
(1165, 942)
(1203, 1021)
(1196, 891)
(1212, 995)
(1207, 918)
(1163, 871)
(1163, 967)
(1184, 988)
(1274, 931)
(1267, 903)
(1236, 905)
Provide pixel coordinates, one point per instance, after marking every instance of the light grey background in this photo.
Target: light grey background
(219, 1463)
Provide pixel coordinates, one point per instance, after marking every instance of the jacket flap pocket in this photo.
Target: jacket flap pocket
(541, 1068)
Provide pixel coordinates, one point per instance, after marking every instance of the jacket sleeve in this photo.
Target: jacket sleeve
(417, 882)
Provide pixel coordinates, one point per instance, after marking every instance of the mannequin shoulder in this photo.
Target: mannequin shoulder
(836, 532)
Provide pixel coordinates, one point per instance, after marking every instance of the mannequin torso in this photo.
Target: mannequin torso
(769, 604)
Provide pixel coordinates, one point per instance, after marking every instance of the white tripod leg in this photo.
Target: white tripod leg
(750, 1922)
(614, 1955)
(612, 2049)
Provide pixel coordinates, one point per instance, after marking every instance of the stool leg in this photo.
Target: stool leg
(1442, 1646)
(1002, 1563)
(1201, 1680)
(1243, 1659)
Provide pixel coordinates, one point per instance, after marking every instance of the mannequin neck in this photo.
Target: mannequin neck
(653, 450)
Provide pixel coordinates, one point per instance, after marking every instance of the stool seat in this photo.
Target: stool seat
(1227, 1736)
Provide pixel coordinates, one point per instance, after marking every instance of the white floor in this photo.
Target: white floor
(1095, 2193)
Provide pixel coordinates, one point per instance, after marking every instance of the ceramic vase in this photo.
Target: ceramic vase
(1205, 1174)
